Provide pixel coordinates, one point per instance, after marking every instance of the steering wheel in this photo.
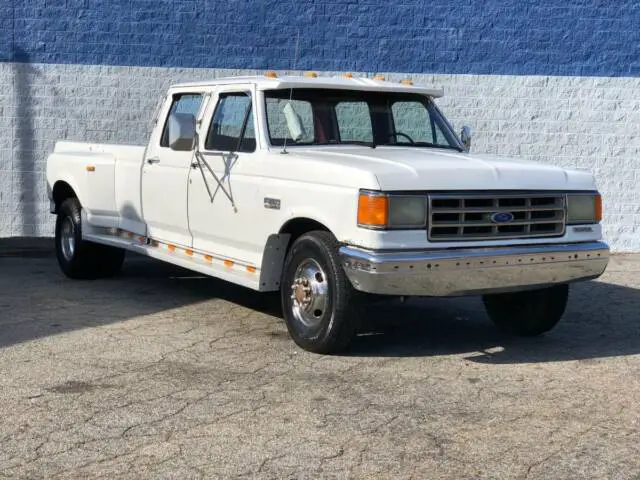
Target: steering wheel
(400, 134)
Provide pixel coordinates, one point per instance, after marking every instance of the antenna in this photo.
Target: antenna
(295, 63)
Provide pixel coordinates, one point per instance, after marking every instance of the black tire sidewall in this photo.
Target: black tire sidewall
(302, 250)
(528, 313)
(70, 208)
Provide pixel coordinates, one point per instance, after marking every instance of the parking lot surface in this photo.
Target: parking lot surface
(161, 373)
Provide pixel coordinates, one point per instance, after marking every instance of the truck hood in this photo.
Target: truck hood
(409, 168)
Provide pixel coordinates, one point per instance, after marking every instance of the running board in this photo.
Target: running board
(227, 269)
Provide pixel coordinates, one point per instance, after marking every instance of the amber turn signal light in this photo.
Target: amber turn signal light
(373, 210)
(598, 208)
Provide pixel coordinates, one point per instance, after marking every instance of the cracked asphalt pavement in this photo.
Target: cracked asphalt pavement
(161, 373)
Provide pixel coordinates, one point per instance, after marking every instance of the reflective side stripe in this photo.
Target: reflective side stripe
(171, 248)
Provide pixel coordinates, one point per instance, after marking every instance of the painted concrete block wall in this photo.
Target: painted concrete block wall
(551, 82)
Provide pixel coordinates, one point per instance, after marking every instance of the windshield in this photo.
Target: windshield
(311, 116)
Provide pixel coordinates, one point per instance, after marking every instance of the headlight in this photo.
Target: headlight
(584, 208)
(407, 211)
(381, 211)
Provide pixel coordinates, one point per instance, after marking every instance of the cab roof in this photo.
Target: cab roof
(264, 82)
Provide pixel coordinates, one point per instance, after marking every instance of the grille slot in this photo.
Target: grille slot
(469, 216)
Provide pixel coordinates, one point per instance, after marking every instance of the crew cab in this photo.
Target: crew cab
(331, 190)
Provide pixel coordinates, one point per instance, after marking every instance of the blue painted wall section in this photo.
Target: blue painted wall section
(546, 37)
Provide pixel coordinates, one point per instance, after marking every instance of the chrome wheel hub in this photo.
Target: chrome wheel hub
(67, 238)
(309, 293)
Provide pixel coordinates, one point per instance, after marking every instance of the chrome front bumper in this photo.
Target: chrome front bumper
(472, 271)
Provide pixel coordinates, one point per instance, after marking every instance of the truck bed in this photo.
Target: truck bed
(106, 177)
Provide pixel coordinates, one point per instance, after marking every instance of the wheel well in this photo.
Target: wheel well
(297, 227)
(277, 248)
(62, 191)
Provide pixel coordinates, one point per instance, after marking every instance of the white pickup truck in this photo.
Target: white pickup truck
(329, 190)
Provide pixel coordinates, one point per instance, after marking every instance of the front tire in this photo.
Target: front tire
(529, 313)
(320, 307)
(79, 258)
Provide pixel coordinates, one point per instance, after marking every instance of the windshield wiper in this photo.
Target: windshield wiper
(358, 142)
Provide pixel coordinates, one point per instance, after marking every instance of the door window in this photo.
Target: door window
(182, 103)
(232, 128)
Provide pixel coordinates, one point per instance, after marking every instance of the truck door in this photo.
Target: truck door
(224, 197)
(165, 177)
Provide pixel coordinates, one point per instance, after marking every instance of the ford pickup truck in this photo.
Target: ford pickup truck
(332, 191)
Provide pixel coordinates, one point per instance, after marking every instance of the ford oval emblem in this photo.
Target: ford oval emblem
(502, 217)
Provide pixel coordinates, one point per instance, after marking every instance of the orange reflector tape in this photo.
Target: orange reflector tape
(228, 263)
(142, 239)
(373, 210)
(379, 77)
(311, 74)
(189, 252)
(598, 208)
(172, 248)
(91, 168)
(208, 258)
(406, 82)
(251, 269)
(347, 75)
(271, 74)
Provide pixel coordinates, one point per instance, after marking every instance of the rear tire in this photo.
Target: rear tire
(319, 305)
(79, 258)
(527, 313)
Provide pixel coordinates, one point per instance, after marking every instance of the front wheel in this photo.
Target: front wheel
(527, 313)
(77, 257)
(320, 307)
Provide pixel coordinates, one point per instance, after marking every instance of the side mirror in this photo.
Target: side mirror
(182, 131)
(465, 136)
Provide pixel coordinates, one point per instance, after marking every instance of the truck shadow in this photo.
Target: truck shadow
(602, 320)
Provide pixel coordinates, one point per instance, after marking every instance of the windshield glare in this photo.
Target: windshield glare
(307, 116)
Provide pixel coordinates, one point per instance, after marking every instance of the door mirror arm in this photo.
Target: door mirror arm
(202, 163)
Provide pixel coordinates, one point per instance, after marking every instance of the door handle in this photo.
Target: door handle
(153, 160)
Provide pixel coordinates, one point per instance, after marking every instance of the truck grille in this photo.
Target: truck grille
(495, 216)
